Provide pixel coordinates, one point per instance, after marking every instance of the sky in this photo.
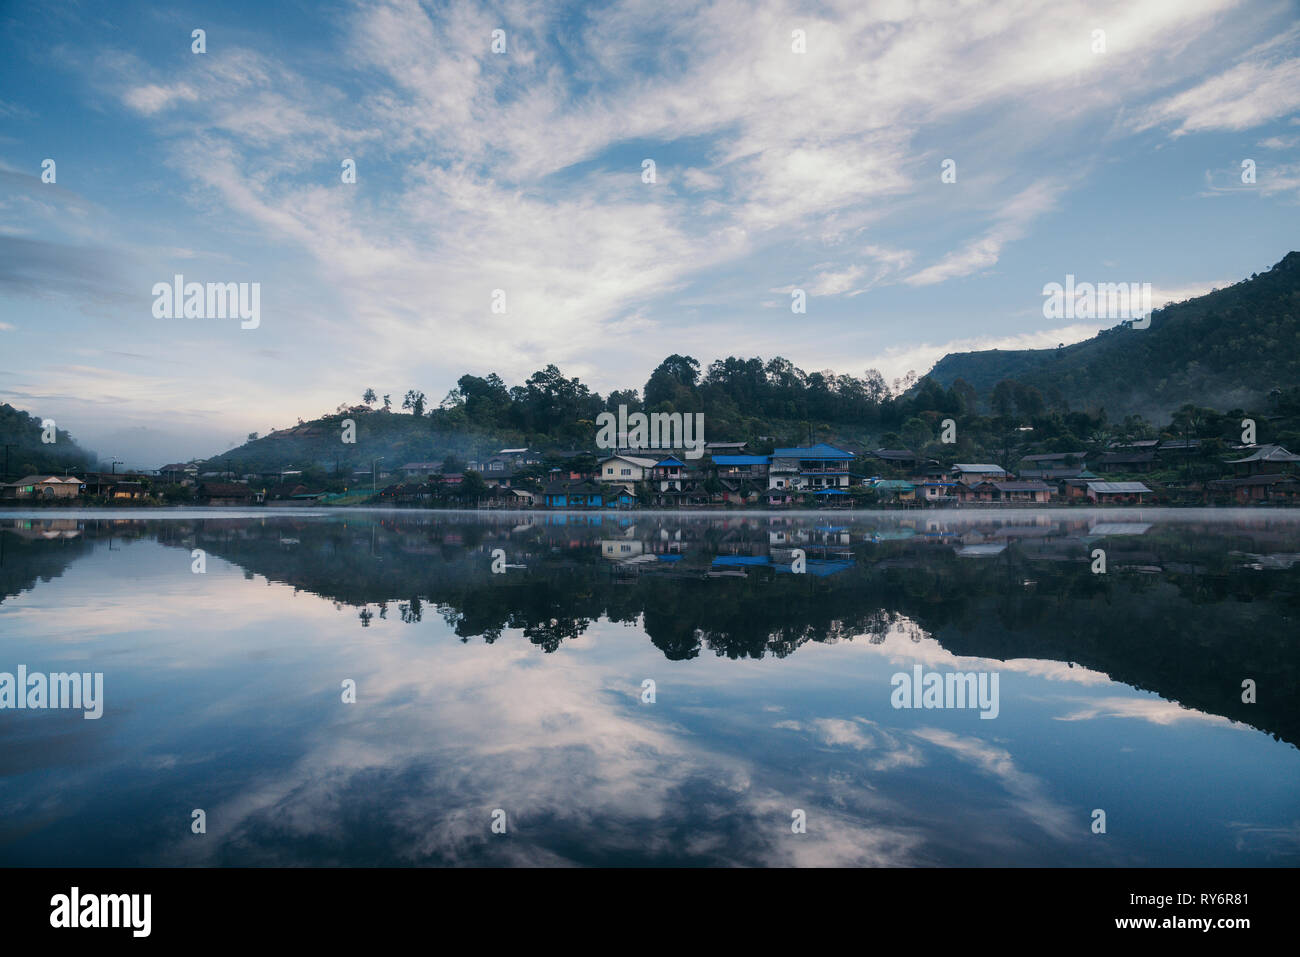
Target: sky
(795, 146)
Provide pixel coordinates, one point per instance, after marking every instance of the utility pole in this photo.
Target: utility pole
(7, 448)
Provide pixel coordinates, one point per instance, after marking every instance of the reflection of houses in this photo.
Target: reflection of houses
(44, 487)
(45, 529)
(1117, 493)
(621, 549)
(813, 467)
(983, 550)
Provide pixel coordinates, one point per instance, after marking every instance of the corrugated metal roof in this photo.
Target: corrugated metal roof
(819, 451)
(1118, 487)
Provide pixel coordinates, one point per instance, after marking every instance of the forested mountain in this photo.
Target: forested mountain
(21, 437)
(1227, 349)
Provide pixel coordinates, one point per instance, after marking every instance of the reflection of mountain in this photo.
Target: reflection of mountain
(1186, 610)
(33, 550)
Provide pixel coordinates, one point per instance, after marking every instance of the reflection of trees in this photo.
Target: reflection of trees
(26, 558)
(1185, 631)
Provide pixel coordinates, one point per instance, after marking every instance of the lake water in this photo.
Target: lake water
(521, 697)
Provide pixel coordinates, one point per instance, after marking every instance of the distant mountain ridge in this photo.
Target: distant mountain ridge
(1226, 349)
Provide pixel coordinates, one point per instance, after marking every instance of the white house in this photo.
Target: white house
(625, 468)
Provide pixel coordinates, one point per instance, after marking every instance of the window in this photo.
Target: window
(626, 472)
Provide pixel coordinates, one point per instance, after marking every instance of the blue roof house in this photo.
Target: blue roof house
(809, 468)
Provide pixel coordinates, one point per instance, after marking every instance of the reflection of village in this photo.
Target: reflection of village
(745, 548)
(735, 546)
(996, 584)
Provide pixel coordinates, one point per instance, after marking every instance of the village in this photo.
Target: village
(727, 475)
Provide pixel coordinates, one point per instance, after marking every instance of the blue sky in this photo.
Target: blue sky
(522, 171)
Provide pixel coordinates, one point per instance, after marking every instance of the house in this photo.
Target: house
(811, 467)
(668, 474)
(894, 490)
(571, 494)
(405, 493)
(742, 467)
(179, 473)
(415, 470)
(740, 491)
(228, 493)
(625, 468)
(1111, 493)
(1130, 460)
(725, 448)
(1265, 460)
(45, 487)
(973, 473)
(1032, 491)
(1257, 488)
(689, 494)
(776, 497)
(127, 490)
(515, 497)
(1055, 460)
(1075, 487)
(938, 492)
(1054, 474)
(966, 492)
(499, 474)
(904, 459)
(517, 457)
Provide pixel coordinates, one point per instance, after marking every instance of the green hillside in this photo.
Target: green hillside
(1227, 349)
(20, 441)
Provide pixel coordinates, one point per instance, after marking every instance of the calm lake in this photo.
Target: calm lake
(654, 689)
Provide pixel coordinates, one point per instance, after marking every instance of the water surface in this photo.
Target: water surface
(523, 691)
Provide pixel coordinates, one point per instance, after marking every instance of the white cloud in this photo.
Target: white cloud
(1264, 86)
